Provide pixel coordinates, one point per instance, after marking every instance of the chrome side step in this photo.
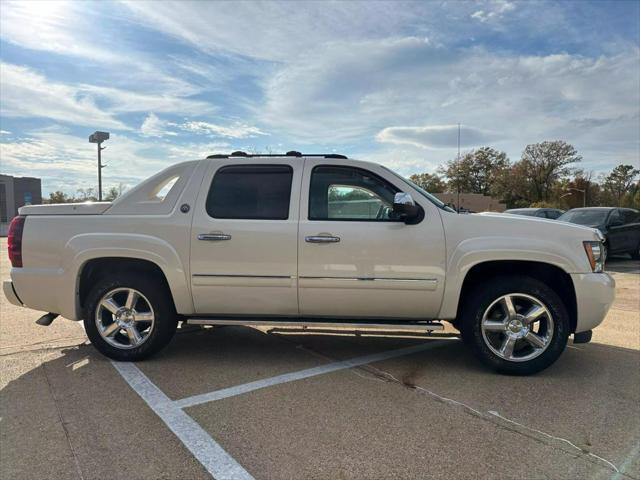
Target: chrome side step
(419, 327)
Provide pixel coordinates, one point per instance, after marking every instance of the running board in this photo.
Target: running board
(422, 327)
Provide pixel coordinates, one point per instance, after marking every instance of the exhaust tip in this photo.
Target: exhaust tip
(47, 319)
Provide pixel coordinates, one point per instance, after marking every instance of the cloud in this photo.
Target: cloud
(494, 10)
(352, 91)
(236, 130)
(68, 162)
(53, 26)
(152, 126)
(436, 136)
(26, 93)
(273, 31)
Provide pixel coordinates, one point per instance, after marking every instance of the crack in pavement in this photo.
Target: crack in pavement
(62, 423)
(491, 416)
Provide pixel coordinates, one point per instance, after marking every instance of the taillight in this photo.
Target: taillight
(14, 241)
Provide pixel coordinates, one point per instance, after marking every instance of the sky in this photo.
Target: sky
(386, 82)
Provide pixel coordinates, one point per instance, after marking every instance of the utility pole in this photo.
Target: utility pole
(99, 137)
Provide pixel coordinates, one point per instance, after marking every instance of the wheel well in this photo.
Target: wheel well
(556, 278)
(97, 268)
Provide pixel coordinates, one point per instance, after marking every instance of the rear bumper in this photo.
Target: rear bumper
(595, 293)
(10, 293)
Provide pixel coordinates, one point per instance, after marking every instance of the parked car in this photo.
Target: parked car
(620, 227)
(552, 213)
(272, 240)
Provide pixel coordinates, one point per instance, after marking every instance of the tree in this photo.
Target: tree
(86, 194)
(547, 163)
(513, 187)
(431, 182)
(477, 171)
(112, 194)
(58, 197)
(620, 182)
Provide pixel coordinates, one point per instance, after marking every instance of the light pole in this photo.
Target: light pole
(99, 137)
(458, 172)
(584, 194)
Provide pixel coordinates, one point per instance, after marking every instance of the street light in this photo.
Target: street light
(584, 194)
(99, 137)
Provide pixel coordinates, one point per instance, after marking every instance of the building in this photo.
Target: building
(475, 202)
(14, 193)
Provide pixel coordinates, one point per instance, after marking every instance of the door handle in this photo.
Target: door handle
(214, 237)
(321, 239)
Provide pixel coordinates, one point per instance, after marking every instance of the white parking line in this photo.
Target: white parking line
(310, 372)
(206, 450)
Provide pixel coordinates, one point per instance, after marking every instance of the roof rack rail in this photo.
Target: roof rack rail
(291, 153)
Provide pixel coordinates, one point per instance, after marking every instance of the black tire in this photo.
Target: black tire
(482, 298)
(159, 297)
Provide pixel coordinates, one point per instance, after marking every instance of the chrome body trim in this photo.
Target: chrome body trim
(321, 239)
(301, 323)
(214, 237)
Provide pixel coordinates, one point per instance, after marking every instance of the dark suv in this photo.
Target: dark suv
(551, 213)
(620, 226)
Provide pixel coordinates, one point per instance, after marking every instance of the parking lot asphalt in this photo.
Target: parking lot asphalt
(235, 401)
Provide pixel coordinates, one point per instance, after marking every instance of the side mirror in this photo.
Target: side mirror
(616, 222)
(405, 207)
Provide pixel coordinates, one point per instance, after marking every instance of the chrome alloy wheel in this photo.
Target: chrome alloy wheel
(517, 327)
(124, 318)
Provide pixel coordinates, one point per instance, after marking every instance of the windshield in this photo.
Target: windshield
(423, 192)
(585, 217)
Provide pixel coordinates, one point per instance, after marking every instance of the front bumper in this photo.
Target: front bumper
(10, 293)
(595, 293)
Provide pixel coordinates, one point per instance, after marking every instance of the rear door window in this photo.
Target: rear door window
(258, 192)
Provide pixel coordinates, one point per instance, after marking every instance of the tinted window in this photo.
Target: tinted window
(251, 192)
(616, 218)
(345, 193)
(585, 217)
(631, 216)
(515, 211)
(553, 214)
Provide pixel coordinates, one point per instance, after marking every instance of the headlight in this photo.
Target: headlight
(595, 254)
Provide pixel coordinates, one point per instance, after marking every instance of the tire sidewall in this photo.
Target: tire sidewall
(485, 295)
(159, 297)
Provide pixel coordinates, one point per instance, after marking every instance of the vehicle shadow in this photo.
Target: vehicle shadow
(75, 397)
(622, 264)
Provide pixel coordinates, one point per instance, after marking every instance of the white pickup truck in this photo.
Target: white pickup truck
(310, 241)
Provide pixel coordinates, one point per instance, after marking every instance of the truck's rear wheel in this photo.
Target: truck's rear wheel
(515, 324)
(129, 316)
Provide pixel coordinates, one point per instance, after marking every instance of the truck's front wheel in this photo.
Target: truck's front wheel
(515, 325)
(130, 316)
